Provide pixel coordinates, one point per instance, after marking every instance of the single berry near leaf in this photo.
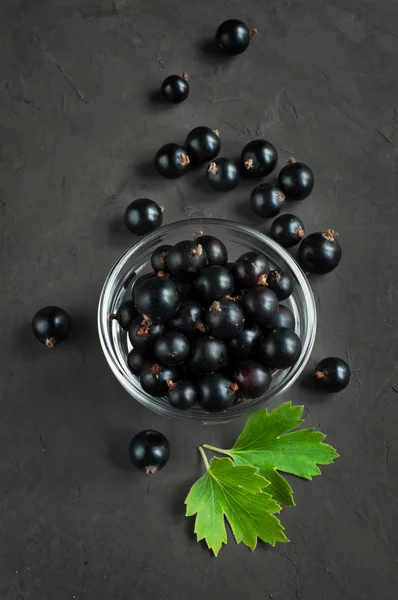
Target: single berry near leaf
(296, 180)
(51, 325)
(222, 175)
(282, 283)
(143, 215)
(280, 349)
(267, 200)
(258, 158)
(182, 394)
(154, 378)
(216, 392)
(125, 314)
(149, 451)
(186, 258)
(233, 36)
(175, 88)
(172, 161)
(251, 269)
(252, 378)
(225, 319)
(287, 230)
(216, 252)
(332, 374)
(320, 252)
(213, 283)
(203, 144)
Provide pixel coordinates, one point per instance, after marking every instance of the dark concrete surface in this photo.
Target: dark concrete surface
(79, 122)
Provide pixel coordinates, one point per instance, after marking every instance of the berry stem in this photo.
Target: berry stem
(204, 457)
(218, 450)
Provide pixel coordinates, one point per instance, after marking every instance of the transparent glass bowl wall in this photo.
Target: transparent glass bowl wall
(238, 240)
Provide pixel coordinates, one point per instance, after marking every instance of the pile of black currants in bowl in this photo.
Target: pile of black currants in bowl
(205, 331)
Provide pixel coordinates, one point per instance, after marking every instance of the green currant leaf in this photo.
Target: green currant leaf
(235, 493)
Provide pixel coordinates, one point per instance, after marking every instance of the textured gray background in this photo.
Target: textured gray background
(79, 122)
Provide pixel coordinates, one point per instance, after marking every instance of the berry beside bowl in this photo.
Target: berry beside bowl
(239, 240)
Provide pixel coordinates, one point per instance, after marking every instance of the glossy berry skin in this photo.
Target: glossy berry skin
(51, 325)
(225, 319)
(202, 144)
(216, 392)
(296, 180)
(140, 280)
(266, 200)
(159, 258)
(188, 318)
(149, 451)
(154, 378)
(125, 314)
(157, 298)
(258, 158)
(283, 318)
(222, 175)
(260, 305)
(252, 378)
(182, 395)
(208, 355)
(233, 37)
(175, 88)
(172, 348)
(287, 230)
(243, 345)
(172, 161)
(320, 252)
(143, 333)
(186, 258)
(332, 375)
(216, 252)
(213, 283)
(282, 283)
(251, 269)
(136, 360)
(142, 216)
(280, 349)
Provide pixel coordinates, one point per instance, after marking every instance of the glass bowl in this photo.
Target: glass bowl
(238, 240)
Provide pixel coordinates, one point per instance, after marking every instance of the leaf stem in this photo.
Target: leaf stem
(218, 450)
(204, 457)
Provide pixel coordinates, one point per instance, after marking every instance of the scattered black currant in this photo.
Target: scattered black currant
(203, 144)
(320, 252)
(283, 318)
(252, 379)
(251, 269)
(213, 283)
(172, 348)
(182, 394)
(266, 200)
(208, 355)
(157, 298)
(175, 88)
(296, 180)
(332, 374)
(125, 314)
(159, 258)
(143, 333)
(282, 283)
(225, 319)
(136, 360)
(287, 230)
(143, 215)
(233, 36)
(258, 158)
(149, 451)
(216, 252)
(222, 175)
(216, 392)
(186, 258)
(51, 325)
(280, 349)
(172, 161)
(243, 345)
(260, 305)
(188, 318)
(155, 378)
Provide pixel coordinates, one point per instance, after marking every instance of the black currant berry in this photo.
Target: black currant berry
(143, 215)
(320, 252)
(159, 258)
(172, 348)
(222, 175)
(283, 318)
(136, 360)
(143, 333)
(157, 298)
(51, 325)
(251, 269)
(149, 451)
(287, 230)
(188, 318)
(260, 305)
(182, 394)
(172, 161)
(140, 280)
(186, 258)
(296, 180)
(252, 379)
(225, 319)
(203, 144)
(244, 344)
(266, 200)
(332, 374)
(213, 283)
(216, 252)
(208, 355)
(280, 349)
(175, 88)
(155, 378)
(282, 283)
(216, 392)
(258, 158)
(233, 36)
(125, 314)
